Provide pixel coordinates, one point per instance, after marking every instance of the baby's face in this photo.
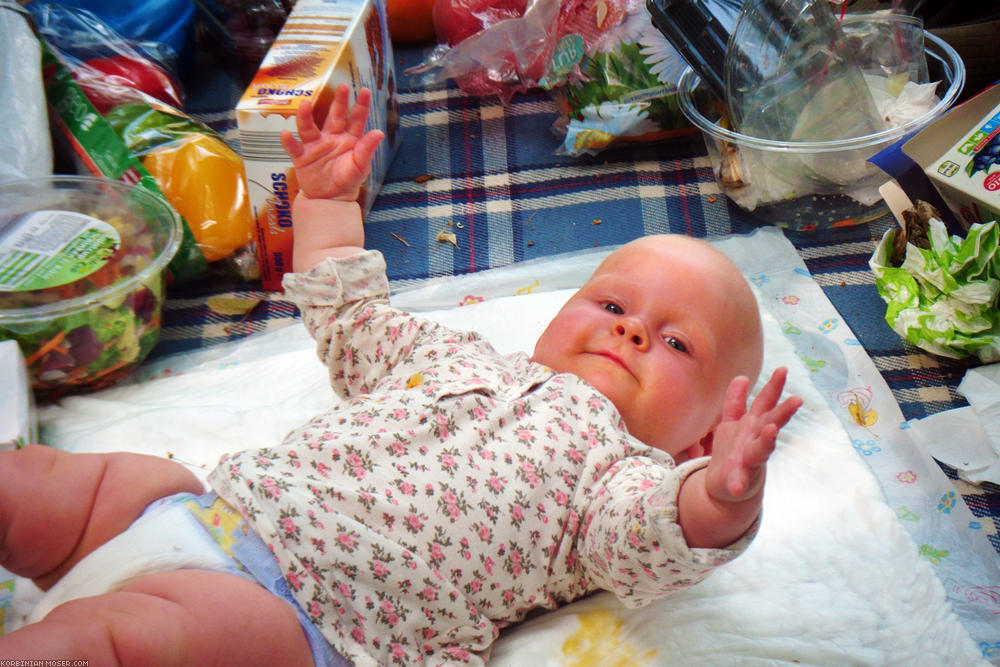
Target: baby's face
(661, 329)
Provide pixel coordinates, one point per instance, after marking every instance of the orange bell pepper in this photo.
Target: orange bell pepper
(205, 181)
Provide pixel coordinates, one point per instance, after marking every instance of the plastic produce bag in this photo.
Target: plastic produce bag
(25, 143)
(612, 74)
(492, 48)
(161, 26)
(943, 296)
(110, 68)
(130, 127)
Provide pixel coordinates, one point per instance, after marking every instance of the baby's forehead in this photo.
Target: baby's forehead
(647, 266)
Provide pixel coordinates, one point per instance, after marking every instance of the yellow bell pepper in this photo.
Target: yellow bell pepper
(204, 180)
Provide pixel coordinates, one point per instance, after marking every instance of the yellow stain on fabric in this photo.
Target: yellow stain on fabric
(862, 416)
(528, 289)
(599, 643)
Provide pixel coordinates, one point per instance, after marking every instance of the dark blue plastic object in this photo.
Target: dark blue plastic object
(165, 21)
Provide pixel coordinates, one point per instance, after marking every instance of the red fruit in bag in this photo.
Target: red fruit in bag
(455, 20)
(108, 82)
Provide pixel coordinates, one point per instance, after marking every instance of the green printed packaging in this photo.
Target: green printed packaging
(956, 155)
(100, 151)
(968, 175)
(943, 299)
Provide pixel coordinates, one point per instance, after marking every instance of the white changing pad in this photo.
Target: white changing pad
(833, 578)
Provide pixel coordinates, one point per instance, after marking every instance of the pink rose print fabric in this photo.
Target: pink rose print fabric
(454, 489)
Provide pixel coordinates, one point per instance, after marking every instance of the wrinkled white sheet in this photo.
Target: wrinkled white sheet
(832, 578)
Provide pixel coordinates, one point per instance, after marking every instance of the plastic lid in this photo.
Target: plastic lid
(70, 242)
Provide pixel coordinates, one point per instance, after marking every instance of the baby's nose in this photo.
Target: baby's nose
(632, 329)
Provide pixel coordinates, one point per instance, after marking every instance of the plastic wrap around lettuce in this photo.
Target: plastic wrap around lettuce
(943, 297)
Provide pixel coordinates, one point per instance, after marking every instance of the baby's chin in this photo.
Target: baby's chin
(693, 452)
(681, 457)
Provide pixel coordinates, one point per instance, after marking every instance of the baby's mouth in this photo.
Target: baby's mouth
(614, 358)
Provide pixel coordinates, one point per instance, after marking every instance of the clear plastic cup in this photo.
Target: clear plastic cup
(791, 76)
(754, 174)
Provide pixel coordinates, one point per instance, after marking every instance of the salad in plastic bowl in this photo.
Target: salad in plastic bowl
(82, 263)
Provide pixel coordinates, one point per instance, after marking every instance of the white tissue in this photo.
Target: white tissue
(912, 102)
(968, 438)
(25, 142)
(18, 426)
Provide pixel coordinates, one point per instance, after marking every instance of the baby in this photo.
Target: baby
(450, 493)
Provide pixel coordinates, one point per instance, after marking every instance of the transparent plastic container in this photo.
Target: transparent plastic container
(788, 71)
(810, 185)
(82, 263)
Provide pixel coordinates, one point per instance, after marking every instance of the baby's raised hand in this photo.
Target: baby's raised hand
(332, 161)
(744, 439)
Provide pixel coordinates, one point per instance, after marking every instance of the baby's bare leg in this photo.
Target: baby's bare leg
(183, 617)
(56, 507)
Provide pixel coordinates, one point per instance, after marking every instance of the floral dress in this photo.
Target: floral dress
(453, 489)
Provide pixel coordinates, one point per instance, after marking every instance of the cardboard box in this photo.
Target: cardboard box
(323, 43)
(968, 174)
(946, 151)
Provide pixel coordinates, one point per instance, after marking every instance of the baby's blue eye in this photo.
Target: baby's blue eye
(614, 308)
(675, 343)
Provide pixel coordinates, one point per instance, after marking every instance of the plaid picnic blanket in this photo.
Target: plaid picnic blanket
(489, 174)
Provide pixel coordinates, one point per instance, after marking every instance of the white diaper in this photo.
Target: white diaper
(179, 532)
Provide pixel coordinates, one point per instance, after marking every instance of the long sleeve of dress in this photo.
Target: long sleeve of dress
(359, 337)
(632, 544)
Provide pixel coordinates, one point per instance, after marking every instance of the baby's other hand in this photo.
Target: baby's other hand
(744, 440)
(332, 161)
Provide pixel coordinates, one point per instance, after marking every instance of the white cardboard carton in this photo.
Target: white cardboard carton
(324, 43)
(946, 150)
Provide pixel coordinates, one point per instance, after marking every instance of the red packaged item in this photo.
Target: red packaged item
(503, 48)
(120, 114)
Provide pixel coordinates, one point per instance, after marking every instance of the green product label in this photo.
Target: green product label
(948, 168)
(46, 249)
(103, 148)
(103, 152)
(568, 52)
(978, 139)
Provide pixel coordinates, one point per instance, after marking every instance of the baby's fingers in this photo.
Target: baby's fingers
(735, 404)
(305, 124)
(769, 395)
(336, 118)
(364, 150)
(291, 145)
(737, 482)
(781, 415)
(359, 113)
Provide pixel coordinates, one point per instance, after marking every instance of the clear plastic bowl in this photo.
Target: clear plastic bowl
(809, 185)
(82, 264)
